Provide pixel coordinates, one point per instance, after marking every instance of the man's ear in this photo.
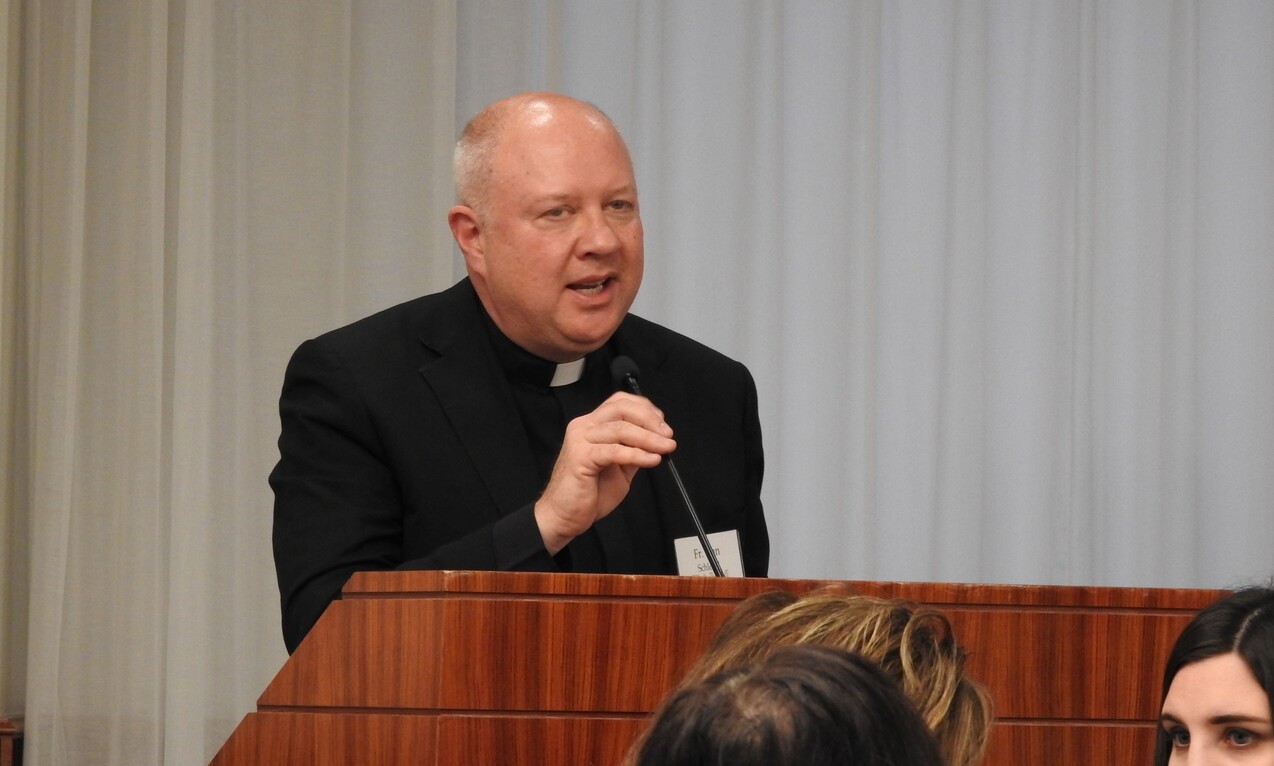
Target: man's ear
(468, 234)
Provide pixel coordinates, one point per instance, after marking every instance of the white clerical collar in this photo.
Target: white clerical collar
(568, 373)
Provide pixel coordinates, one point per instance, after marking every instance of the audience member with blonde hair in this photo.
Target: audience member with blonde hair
(913, 644)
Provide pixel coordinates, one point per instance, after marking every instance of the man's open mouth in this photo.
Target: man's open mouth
(590, 288)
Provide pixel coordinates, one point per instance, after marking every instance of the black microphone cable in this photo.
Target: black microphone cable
(624, 372)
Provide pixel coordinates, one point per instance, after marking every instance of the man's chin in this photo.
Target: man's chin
(579, 344)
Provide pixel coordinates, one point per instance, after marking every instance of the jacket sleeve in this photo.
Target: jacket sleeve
(755, 533)
(338, 507)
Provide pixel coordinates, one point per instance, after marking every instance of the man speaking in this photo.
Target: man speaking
(479, 427)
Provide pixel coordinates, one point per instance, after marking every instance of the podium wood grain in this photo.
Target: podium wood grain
(531, 668)
(10, 740)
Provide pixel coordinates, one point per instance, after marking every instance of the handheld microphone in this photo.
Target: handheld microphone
(625, 374)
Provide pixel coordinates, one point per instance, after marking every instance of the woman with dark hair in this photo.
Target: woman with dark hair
(1218, 686)
(807, 705)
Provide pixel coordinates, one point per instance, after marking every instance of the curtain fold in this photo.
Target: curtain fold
(1004, 273)
(14, 562)
(206, 184)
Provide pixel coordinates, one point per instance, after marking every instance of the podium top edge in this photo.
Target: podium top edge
(443, 583)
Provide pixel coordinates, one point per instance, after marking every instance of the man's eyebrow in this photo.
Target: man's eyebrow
(550, 197)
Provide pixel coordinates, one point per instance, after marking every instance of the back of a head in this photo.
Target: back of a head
(1241, 622)
(807, 705)
(913, 644)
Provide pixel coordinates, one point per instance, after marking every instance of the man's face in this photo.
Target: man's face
(558, 259)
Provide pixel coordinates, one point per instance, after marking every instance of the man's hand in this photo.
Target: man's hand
(600, 454)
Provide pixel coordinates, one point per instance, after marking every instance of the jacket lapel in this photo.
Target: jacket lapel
(464, 375)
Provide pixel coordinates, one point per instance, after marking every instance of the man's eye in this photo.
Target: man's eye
(621, 204)
(557, 212)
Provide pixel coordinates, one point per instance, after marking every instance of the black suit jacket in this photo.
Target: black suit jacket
(401, 447)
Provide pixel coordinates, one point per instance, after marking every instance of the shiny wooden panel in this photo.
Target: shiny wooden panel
(331, 739)
(1076, 664)
(369, 653)
(10, 741)
(494, 741)
(476, 740)
(1019, 744)
(483, 667)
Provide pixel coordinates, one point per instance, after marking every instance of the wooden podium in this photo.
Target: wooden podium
(10, 741)
(477, 668)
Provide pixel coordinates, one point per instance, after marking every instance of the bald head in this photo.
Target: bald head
(548, 222)
(478, 140)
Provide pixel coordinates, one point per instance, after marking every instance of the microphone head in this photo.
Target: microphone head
(624, 372)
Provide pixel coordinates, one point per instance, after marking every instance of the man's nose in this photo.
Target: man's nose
(598, 236)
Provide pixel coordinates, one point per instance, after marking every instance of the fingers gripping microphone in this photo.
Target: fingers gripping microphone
(625, 374)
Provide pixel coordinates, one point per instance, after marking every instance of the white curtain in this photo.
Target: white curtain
(1004, 273)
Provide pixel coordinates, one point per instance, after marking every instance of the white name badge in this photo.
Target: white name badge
(693, 562)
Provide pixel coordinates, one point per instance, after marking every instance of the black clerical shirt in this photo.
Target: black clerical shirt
(545, 411)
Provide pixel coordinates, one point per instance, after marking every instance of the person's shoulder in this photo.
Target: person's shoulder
(401, 337)
(405, 322)
(667, 347)
(379, 323)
